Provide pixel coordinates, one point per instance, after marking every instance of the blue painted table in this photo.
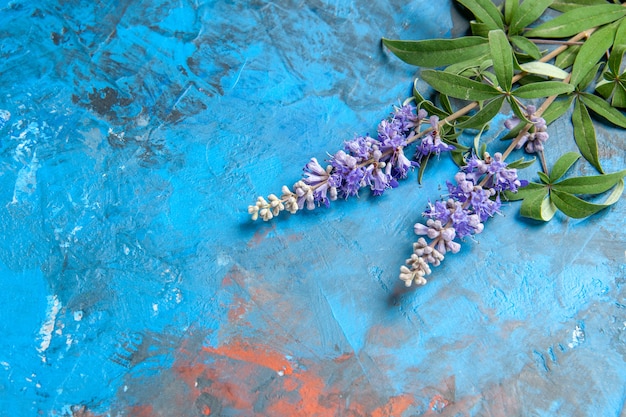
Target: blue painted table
(135, 285)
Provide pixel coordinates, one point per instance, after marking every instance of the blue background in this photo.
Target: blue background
(133, 282)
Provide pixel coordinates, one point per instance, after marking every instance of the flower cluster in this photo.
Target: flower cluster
(377, 163)
(472, 200)
(536, 136)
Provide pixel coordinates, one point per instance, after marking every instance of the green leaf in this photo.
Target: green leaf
(438, 52)
(524, 192)
(486, 12)
(543, 89)
(526, 46)
(543, 68)
(538, 206)
(459, 87)
(480, 28)
(593, 184)
(557, 109)
(591, 51)
(585, 135)
(471, 65)
(566, 5)
(562, 165)
(527, 13)
(604, 109)
(577, 20)
(502, 56)
(484, 115)
(422, 168)
(521, 163)
(578, 208)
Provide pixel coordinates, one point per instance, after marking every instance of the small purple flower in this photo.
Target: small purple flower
(348, 174)
(536, 136)
(432, 142)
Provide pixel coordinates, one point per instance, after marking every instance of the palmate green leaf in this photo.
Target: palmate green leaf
(484, 115)
(527, 13)
(615, 58)
(538, 206)
(486, 12)
(593, 184)
(578, 208)
(619, 95)
(526, 46)
(459, 87)
(591, 51)
(542, 89)
(577, 20)
(567, 5)
(438, 52)
(557, 109)
(585, 135)
(562, 165)
(543, 68)
(502, 56)
(603, 109)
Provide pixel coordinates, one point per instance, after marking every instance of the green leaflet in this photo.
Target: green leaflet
(591, 51)
(567, 57)
(527, 13)
(543, 68)
(524, 192)
(521, 163)
(543, 89)
(566, 5)
(620, 34)
(502, 56)
(557, 109)
(483, 116)
(438, 52)
(526, 46)
(486, 12)
(427, 105)
(578, 208)
(538, 206)
(543, 177)
(561, 166)
(459, 87)
(585, 135)
(602, 108)
(510, 6)
(594, 184)
(577, 20)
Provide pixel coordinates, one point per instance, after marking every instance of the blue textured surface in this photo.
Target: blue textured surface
(134, 284)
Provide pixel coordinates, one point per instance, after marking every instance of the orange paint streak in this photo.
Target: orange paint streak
(256, 354)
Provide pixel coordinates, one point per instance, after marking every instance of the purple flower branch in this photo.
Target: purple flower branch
(377, 163)
(472, 200)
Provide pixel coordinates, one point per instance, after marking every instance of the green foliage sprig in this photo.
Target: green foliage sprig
(568, 53)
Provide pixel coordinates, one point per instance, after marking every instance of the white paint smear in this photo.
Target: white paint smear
(45, 332)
